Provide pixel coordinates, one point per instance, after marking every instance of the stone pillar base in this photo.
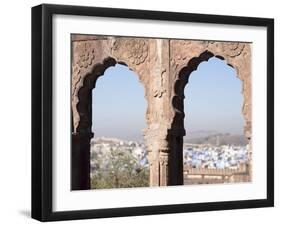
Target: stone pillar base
(80, 161)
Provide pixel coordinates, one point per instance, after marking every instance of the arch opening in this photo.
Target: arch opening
(211, 100)
(118, 153)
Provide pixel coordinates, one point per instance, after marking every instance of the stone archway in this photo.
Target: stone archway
(187, 55)
(92, 55)
(160, 65)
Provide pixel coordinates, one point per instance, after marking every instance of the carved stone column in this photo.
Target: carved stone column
(165, 150)
(164, 168)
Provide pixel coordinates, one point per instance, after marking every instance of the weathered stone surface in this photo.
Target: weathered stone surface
(163, 67)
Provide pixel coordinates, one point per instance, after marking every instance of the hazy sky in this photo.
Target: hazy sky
(119, 105)
(213, 101)
(213, 98)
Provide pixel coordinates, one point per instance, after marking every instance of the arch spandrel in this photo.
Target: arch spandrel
(86, 56)
(132, 51)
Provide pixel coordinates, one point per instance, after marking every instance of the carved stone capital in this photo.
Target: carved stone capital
(164, 159)
(84, 54)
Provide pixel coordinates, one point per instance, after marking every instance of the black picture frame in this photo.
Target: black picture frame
(42, 197)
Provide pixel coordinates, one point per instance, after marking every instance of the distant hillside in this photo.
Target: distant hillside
(218, 139)
(201, 133)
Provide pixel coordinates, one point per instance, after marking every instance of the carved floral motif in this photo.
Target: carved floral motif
(233, 49)
(133, 50)
(85, 54)
(164, 159)
(83, 58)
(179, 54)
(206, 44)
(159, 89)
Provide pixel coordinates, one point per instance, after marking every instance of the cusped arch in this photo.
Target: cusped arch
(182, 81)
(82, 121)
(91, 56)
(84, 96)
(83, 106)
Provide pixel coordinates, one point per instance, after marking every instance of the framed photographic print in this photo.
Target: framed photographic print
(145, 112)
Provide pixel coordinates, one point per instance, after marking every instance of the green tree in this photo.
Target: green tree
(118, 169)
